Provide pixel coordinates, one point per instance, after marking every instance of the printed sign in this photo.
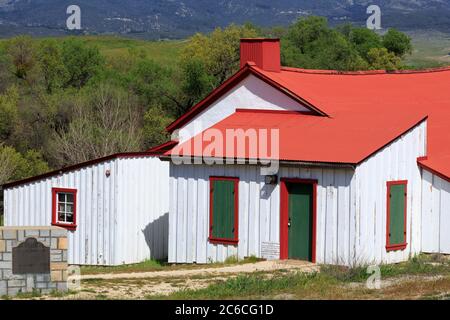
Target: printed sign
(270, 250)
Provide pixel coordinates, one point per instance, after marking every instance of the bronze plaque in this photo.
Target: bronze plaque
(31, 256)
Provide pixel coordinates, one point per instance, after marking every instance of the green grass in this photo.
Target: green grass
(430, 49)
(162, 52)
(147, 265)
(419, 265)
(328, 282)
(158, 265)
(254, 285)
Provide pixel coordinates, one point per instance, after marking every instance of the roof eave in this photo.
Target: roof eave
(77, 166)
(431, 170)
(261, 162)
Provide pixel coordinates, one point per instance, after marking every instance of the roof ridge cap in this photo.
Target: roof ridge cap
(364, 72)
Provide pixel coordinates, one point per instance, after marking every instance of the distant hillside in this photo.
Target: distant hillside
(177, 19)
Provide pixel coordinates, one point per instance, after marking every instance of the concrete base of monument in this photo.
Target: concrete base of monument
(32, 259)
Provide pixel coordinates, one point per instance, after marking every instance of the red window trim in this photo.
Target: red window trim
(284, 216)
(400, 246)
(235, 240)
(69, 226)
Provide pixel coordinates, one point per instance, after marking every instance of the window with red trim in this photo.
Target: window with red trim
(223, 211)
(397, 195)
(64, 207)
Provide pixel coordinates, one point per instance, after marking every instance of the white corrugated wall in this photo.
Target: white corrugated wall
(435, 214)
(398, 161)
(143, 209)
(259, 207)
(93, 241)
(351, 207)
(122, 218)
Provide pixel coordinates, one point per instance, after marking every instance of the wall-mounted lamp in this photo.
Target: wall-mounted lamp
(271, 179)
(108, 173)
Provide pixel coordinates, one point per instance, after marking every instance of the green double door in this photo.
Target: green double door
(300, 225)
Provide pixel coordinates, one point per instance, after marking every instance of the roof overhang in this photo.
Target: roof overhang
(79, 166)
(258, 162)
(420, 163)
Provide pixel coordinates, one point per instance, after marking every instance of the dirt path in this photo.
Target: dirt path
(263, 266)
(161, 283)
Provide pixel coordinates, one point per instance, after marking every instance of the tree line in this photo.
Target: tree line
(62, 102)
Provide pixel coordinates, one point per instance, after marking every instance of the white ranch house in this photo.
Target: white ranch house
(364, 174)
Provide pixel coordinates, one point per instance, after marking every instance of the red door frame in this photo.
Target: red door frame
(284, 216)
(400, 246)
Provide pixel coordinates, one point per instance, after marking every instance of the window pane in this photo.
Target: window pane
(69, 197)
(69, 217)
(61, 207)
(61, 197)
(69, 208)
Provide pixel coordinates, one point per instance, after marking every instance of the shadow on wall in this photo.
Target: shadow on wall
(156, 235)
(266, 191)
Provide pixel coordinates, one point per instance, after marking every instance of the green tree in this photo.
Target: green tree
(218, 52)
(51, 64)
(382, 59)
(22, 54)
(155, 123)
(197, 82)
(81, 61)
(364, 40)
(310, 43)
(16, 166)
(148, 80)
(397, 42)
(8, 112)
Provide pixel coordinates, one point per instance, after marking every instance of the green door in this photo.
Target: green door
(300, 221)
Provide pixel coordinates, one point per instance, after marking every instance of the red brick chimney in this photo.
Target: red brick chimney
(265, 53)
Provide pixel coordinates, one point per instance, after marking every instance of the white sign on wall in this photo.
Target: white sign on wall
(270, 250)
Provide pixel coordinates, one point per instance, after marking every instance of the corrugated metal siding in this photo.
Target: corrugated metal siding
(143, 209)
(435, 214)
(259, 212)
(93, 240)
(398, 161)
(122, 218)
(351, 207)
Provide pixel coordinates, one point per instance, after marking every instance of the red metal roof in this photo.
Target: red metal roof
(348, 138)
(364, 110)
(407, 92)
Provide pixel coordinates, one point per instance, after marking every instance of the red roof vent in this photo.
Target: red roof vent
(265, 53)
